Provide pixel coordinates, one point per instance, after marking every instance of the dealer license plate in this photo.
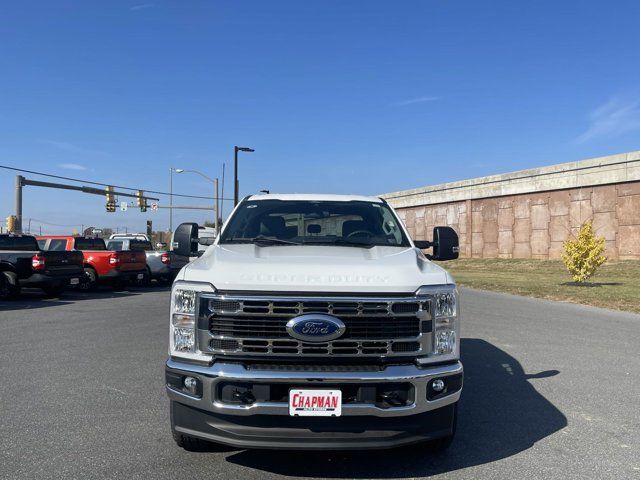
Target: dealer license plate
(315, 403)
(140, 276)
(74, 281)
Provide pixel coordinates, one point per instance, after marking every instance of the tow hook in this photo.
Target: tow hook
(393, 399)
(245, 397)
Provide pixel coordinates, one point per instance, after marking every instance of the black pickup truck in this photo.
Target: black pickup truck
(23, 264)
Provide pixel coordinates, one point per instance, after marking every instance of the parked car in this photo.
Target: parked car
(314, 322)
(158, 261)
(112, 267)
(24, 264)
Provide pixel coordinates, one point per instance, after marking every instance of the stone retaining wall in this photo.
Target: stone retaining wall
(536, 223)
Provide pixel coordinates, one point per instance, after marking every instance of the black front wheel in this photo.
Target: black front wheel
(191, 444)
(90, 282)
(441, 444)
(9, 287)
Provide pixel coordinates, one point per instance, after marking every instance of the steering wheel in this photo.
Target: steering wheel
(356, 233)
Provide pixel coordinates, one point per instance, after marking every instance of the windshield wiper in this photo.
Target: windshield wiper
(342, 242)
(262, 240)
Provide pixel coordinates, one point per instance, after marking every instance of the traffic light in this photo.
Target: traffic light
(111, 200)
(142, 202)
(149, 228)
(11, 223)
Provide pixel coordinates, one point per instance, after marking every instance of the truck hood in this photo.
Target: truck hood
(308, 268)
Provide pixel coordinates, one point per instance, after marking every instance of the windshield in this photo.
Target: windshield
(354, 223)
(140, 245)
(18, 243)
(82, 243)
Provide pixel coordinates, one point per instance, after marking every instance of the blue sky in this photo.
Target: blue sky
(345, 97)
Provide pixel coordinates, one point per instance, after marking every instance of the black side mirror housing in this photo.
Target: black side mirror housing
(446, 245)
(185, 239)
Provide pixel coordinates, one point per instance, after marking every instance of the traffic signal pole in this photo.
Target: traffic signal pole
(22, 182)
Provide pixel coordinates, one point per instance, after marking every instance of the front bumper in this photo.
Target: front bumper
(268, 424)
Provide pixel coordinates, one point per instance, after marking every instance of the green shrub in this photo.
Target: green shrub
(582, 256)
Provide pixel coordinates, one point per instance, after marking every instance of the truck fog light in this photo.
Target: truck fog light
(437, 385)
(190, 384)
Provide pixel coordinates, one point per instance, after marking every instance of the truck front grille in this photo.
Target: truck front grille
(375, 327)
(365, 328)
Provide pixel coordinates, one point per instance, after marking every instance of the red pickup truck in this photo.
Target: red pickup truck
(112, 267)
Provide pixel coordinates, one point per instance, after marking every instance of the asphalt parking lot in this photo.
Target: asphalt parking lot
(551, 391)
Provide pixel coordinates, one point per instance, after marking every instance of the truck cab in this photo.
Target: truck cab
(315, 322)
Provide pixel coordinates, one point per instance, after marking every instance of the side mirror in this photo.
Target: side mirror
(185, 239)
(445, 244)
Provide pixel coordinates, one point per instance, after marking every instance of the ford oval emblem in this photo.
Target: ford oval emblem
(315, 327)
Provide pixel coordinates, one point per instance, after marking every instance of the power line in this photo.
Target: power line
(52, 224)
(103, 184)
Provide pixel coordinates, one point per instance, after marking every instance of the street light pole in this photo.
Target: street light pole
(236, 183)
(177, 170)
(215, 188)
(171, 199)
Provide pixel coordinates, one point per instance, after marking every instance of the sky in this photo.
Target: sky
(334, 96)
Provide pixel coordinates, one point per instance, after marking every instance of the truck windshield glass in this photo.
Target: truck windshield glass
(286, 222)
(22, 244)
(140, 245)
(90, 244)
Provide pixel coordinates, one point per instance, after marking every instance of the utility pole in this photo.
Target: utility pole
(19, 180)
(222, 193)
(215, 187)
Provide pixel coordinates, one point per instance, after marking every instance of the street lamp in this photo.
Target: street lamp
(171, 170)
(215, 190)
(236, 184)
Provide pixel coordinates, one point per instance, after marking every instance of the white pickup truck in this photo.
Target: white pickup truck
(314, 322)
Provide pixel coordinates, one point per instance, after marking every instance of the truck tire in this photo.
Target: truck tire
(54, 291)
(441, 444)
(9, 286)
(4, 287)
(91, 281)
(191, 444)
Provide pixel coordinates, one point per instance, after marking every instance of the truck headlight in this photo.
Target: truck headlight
(446, 319)
(182, 325)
